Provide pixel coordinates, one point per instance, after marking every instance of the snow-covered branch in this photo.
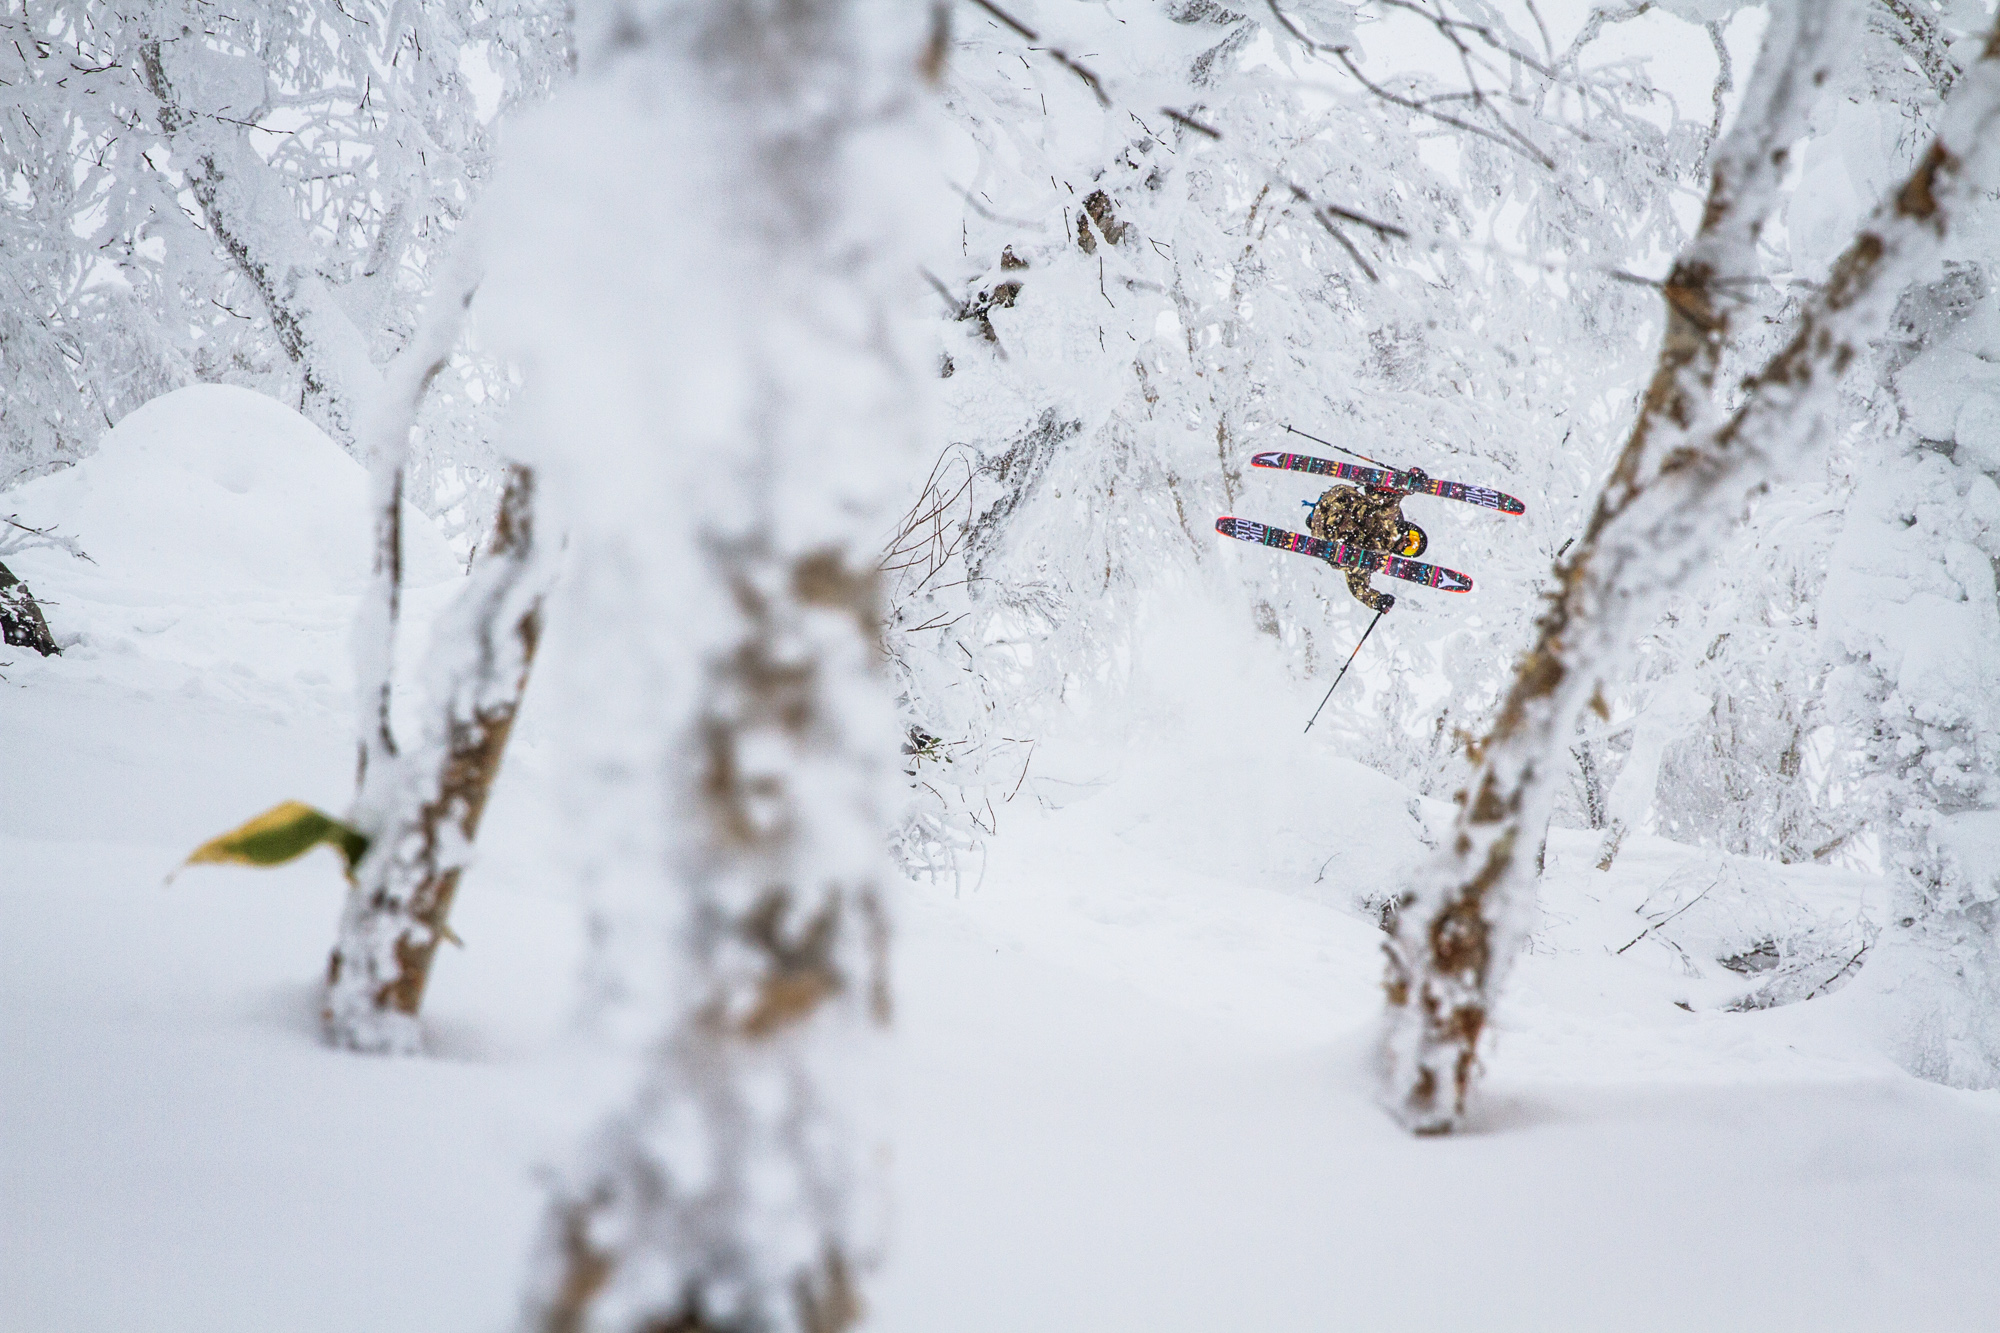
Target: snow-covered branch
(421, 807)
(393, 408)
(249, 214)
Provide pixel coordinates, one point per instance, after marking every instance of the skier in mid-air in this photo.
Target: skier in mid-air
(1373, 520)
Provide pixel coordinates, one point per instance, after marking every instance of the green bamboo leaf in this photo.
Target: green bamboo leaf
(282, 833)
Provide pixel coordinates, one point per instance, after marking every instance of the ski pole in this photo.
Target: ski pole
(1343, 671)
(1331, 445)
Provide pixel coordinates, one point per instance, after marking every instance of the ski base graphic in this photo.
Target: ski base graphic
(1347, 557)
(1402, 481)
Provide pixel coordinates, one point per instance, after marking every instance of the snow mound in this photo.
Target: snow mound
(215, 489)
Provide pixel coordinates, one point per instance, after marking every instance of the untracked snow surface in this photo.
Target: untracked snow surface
(1132, 1078)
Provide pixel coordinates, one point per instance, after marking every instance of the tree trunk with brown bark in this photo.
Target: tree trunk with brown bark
(1682, 478)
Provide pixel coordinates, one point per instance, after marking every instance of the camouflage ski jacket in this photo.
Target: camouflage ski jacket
(1372, 520)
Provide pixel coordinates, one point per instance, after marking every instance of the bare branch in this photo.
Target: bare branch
(1671, 915)
(1325, 213)
(1506, 137)
(1180, 118)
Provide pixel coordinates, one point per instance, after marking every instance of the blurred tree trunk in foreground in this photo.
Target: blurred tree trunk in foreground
(697, 256)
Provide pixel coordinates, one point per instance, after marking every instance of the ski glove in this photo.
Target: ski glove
(1387, 603)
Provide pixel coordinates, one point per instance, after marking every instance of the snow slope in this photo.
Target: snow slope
(1132, 1079)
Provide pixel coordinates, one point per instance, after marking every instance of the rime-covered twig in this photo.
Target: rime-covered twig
(1330, 216)
(1057, 54)
(1683, 476)
(242, 203)
(1671, 915)
(1843, 970)
(1926, 44)
(1725, 80)
(1450, 28)
(43, 536)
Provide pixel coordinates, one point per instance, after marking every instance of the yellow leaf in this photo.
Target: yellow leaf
(280, 834)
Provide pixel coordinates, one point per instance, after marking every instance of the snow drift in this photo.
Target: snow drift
(212, 490)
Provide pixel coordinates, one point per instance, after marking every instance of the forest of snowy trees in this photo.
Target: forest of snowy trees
(743, 477)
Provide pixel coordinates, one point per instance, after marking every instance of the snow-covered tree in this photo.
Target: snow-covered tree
(253, 195)
(1763, 771)
(1913, 623)
(1817, 745)
(264, 196)
(700, 262)
(1685, 473)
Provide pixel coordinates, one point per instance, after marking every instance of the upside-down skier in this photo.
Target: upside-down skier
(1373, 520)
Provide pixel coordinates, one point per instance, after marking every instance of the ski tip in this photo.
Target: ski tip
(1509, 505)
(1269, 458)
(1224, 524)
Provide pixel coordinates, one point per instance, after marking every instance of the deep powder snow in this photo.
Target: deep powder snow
(1132, 1042)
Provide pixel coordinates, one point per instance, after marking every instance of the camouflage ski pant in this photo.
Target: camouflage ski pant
(1360, 518)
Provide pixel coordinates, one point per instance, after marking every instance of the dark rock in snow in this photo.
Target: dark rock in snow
(21, 622)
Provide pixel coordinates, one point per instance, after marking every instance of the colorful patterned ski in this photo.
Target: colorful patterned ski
(1347, 557)
(1404, 481)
